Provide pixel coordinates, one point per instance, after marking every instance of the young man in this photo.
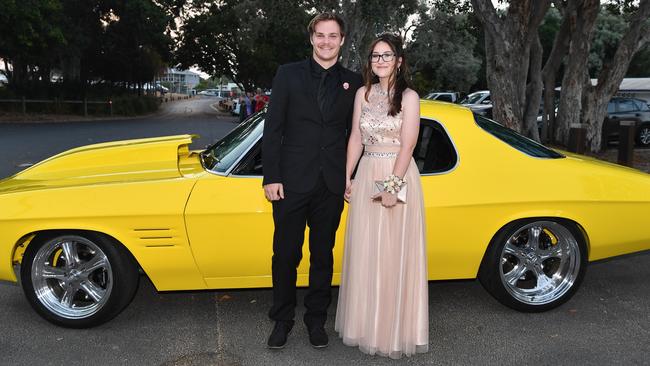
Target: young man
(305, 136)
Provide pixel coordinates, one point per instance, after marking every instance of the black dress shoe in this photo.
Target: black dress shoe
(317, 337)
(278, 337)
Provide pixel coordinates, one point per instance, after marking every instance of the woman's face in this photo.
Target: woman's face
(383, 60)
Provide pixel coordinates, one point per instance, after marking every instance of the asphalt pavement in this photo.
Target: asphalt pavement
(607, 322)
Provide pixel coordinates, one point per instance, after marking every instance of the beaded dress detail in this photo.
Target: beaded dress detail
(383, 297)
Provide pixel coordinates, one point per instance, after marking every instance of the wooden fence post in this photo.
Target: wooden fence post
(626, 143)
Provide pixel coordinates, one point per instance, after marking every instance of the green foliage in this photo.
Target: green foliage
(365, 20)
(244, 40)
(610, 28)
(83, 41)
(640, 65)
(132, 105)
(442, 53)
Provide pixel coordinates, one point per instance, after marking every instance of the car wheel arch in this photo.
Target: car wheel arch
(568, 282)
(567, 220)
(42, 235)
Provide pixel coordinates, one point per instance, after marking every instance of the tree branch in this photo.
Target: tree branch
(487, 15)
(614, 71)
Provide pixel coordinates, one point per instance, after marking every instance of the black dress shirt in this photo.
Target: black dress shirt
(325, 82)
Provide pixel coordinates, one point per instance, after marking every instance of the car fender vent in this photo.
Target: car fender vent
(156, 237)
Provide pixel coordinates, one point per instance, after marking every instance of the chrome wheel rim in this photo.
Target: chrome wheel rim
(72, 277)
(540, 262)
(644, 135)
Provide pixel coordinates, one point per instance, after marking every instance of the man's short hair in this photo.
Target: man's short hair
(323, 17)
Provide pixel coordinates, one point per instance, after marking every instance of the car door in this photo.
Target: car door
(230, 227)
(436, 158)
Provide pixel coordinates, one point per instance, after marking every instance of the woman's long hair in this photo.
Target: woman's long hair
(398, 81)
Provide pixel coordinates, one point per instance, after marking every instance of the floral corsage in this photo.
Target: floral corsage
(393, 184)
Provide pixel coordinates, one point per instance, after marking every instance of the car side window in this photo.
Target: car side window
(251, 165)
(611, 107)
(626, 106)
(641, 105)
(445, 98)
(434, 152)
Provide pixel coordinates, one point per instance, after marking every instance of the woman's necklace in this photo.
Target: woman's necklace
(380, 91)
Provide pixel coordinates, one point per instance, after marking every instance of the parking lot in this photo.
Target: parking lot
(606, 322)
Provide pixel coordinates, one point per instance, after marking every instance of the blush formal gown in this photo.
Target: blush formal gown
(383, 296)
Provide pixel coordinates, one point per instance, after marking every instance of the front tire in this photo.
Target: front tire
(78, 280)
(534, 265)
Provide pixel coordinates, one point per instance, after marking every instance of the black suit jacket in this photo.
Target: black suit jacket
(299, 141)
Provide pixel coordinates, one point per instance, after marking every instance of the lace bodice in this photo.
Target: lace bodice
(377, 127)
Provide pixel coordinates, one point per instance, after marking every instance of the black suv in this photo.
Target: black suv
(628, 109)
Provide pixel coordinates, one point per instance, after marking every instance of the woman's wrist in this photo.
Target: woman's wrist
(393, 184)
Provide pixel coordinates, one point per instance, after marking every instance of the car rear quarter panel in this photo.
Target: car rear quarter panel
(495, 184)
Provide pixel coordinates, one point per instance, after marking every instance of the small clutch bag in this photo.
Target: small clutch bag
(378, 187)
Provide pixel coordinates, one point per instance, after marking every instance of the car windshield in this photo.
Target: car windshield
(224, 153)
(512, 138)
(472, 98)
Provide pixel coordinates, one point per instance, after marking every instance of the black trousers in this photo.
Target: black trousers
(321, 210)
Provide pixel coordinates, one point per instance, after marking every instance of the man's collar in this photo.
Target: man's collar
(317, 68)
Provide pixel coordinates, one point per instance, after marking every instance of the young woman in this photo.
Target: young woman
(383, 297)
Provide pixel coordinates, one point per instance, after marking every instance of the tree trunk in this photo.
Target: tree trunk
(551, 68)
(582, 28)
(352, 54)
(612, 74)
(594, 109)
(534, 91)
(508, 42)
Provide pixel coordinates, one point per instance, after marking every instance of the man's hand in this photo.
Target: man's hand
(274, 191)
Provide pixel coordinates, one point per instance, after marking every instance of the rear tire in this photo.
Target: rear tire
(78, 280)
(643, 135)
(534, 265)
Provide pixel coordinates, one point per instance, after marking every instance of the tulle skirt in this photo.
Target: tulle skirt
(383, 296)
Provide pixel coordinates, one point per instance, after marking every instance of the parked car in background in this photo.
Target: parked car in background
(451, 97)
(479, 102)
(627, 109)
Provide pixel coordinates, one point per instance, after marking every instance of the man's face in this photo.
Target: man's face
(326, 41)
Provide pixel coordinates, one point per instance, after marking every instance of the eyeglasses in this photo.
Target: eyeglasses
(387, 57)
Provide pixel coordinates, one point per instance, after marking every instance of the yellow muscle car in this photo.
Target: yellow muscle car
(78, 228)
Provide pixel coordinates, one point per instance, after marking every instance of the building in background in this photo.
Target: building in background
(638, 88)
(180, 81)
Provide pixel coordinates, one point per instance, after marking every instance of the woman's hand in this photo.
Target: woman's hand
(387, 199)
(348, 189)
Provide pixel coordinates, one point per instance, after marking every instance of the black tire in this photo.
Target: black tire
(99, 284)
(512, 276)
(643, 135)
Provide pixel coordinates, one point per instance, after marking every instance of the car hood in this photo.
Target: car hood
(112, 162)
